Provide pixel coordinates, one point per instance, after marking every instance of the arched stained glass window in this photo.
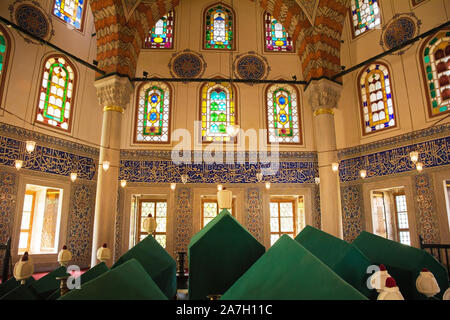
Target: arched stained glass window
(70, 11)
(217, 111)
(4, 56)
(153, 113)
(161, 35)
(219, 27)
(376, 98)
(365, 15)
(283, 116)
(275, 36)
(436, 67)
(57, 93)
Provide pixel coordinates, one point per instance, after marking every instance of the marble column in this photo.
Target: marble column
(323, 96)
(114, 94)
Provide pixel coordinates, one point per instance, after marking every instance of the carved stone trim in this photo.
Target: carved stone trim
(114, 91)
(323, 94)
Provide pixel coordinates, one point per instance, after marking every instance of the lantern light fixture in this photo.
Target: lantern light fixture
(18, 164)
(335, 166)
(363, 173)
(105, 165)
(173, 186)
(419, 166)
(414, 156)
(30, 146)
(123, 183)
(73, 176)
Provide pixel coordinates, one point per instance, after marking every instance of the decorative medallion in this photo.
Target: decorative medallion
(401, 28)
(251, 66)
(30, 16)
(187, 64)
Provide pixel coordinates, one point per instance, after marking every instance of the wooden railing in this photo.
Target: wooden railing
(439, 251)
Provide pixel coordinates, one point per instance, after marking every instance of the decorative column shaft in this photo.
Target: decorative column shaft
(323, 96)
(114, 94)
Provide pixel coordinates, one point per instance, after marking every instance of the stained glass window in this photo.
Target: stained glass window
(210, 209)
(57, 93)
(283, 117)
(275, 36)
(436, 66)
(376, 95)
(153, 113)
(161, 35)
(217, 111)
(4, 55)
(70, 11)
(219, 28)
(158, 210)
(365, 15)
(282, 219)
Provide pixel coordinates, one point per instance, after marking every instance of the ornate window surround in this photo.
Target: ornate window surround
(424, 76)
(72, 104)
(294, 49)
(352, 28)
(138, 90)
(173, 35)
(236, 110)
(233, 27)
(360, 102)
(300, 118)
(83, 16)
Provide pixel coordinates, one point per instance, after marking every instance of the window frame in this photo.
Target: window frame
(300, 118)
(397, 223)
(139, 219)
(169, 128)
(220, 82)
(352, 28)
(294, 217)
(264, 37)
(30, 229)
(83, 16)
(361, 105)
(213, 199)
(233, 27)
(73, 98)
(173, 33)
(5, 62)
(424, 76)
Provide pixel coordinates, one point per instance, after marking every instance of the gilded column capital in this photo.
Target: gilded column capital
(323, 96)
(114, 92)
